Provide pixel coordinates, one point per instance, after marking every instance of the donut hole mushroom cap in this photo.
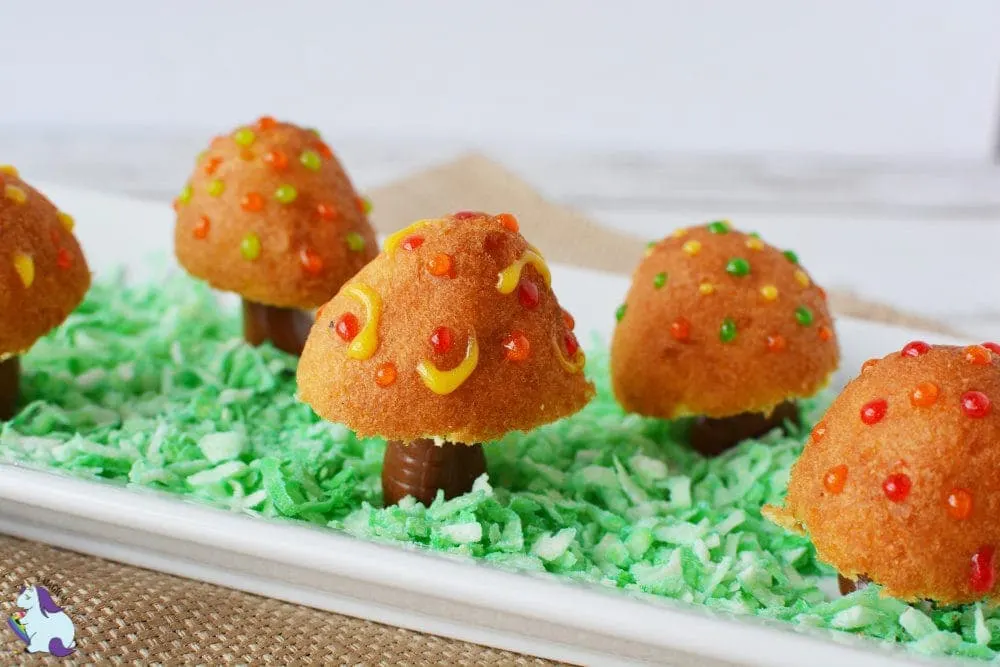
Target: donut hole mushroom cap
(270, 214)
(43, 273)
(466, 342)
(899, 479)
(718, 323)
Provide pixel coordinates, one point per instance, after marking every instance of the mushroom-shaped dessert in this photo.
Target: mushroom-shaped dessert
(270, 214)
(43, 275)
(451, 337)
(898, 483)
(721, 326)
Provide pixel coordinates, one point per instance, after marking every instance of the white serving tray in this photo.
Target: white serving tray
(534, 614)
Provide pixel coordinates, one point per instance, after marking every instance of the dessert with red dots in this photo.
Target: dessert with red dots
(434, 347)
(899, 487)
(724, 328)
(270, 214)
(43, 275)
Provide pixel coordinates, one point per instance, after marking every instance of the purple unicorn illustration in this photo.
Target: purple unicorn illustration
(43, 626)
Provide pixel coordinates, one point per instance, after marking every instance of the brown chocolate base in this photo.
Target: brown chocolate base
(848, 586)
(711, 437)
(10, 380)
(285, 328)
(419, 468)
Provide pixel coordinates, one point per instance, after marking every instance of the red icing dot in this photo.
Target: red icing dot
(323, 150)
(347, 326)
(977, 355)
(252, 202)
(982, 574)
(896, 487)
(509, 222)
(825, 333)
(835, 479)
(326, 211)
(776, 343)
(819, 430)
(568, 320)
(975, 404)
(467, 215)
(680, 329)
(992, 347)
(311, 262)
(211, 164)
(572, 344)
(527, 294)
(64, 259)
(441, 340)
(411, 243)
(874, 411)
(201, 227)
(266, 123)
(915, 349)
(276, 159)
(516, 346)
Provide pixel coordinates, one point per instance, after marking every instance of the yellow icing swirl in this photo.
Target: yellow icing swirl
(366, 342)
(508, 279)
(574, 365)
(393, 240)
(445, 382)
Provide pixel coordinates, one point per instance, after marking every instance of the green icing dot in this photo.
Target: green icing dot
(311, 160)
(244, 136)
(355, 241)
(738, 266)
(719, 227)
(286, 194)
(620, 313)
(366, 205)
(250, 247)
(754, 235)
(791, 256)
(185, 195)
(216, 188)
(659, 280)
(803, 316)
(727, 332)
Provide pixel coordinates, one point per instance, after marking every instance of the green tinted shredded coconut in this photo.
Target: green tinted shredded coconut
(151, 386)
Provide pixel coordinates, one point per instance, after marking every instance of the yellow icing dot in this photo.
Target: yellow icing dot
(692, 247)
(802, 278)
(755, 243)
(393, 240)
(15, 194)
(445, 382)
(508, 279)
(769, 292)
(25, 267)
(9, 169)
(67, 221)
(366, 342)
(706, 289)
(678, 233)
(574, 365)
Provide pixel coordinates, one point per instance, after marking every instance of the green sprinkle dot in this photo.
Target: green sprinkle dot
(791, 256)
(250, 247)
(738, 266)
(803, 316)
(659, 280)
(185, 195)
(216, 188)
(727, 332)
(620, 313)
(244, 136)
(286, 194)
(366, 205)
(311, 160)
(651, 245)
(355, 241)
(719, 227)
(754, 235)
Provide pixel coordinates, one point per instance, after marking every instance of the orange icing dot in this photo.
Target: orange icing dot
(252, 202)
(411, 243)
(385, 374)
(324, 150)
(201, 227)
(509, 222)
(819, 431)
(977, 355)
(776, 343)
(868, 365)
(516, 346)
(266, 123)
(835, 479)
(924, 394)
(568, 320)
(680, 329)
(211, 165)
(441, 265)
(312, 263)
(326, 211)
(276, 159)
(825, 333)
(64, 260)
(959, 502)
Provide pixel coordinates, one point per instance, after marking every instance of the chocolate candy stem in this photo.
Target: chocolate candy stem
(419, 468)
(711, 437)
(848, 586)
(10, 377)
(285, 328)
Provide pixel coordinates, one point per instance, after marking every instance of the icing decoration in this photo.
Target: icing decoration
(620, 312)
(868, 365)
(915, 349)
(365, 205)
(572, 344)
(244, 136)
(992, 347)
(25, 267)
(835, 479)
(659, 280)
(738, 266)
(265, 123)
(201, 227)
(727, 332)
(982, 574)
(9, 169)
(680, 329)
(802, 278)
(527, 294)
(250, 246)
(411, 243)
(568, 320)
(769, 292)
(650, 247)
(679, 233)
(719, 227)
(216, 188)
(15, 194)
(64, 260)
(754, 243)
(67, 221)
(819, 431)
(896, 487)
(313, 131)
(385, 374)
(776, 343)
(978, 355)
(516, 346)
(691, 247)
(355, 241)
(185, 194)
(312, 263)
(803, 316)
(467, 215)
(276, 159)
(509, 278)
(311, 160)
(326, 211)
(822, 292)
(874, 411)
(959, 502)
(576, 360)
(393, 241)
(246, 154)
(441, 340)
(975, 404)
(365, 343)
(791, 256)
(509, 222)
(441, 265)
(211, 165)
(924, 395)
(825, 333)
(286, 194)
(323, 150)
(445, 382)
(706, 289)
(347, 327)
(252, 202)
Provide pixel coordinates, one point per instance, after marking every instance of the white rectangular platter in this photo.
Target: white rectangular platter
(459, 598)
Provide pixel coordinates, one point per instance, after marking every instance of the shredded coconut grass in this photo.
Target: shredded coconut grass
(152, 386)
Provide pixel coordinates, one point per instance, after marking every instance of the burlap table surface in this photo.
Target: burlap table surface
(129, 615)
